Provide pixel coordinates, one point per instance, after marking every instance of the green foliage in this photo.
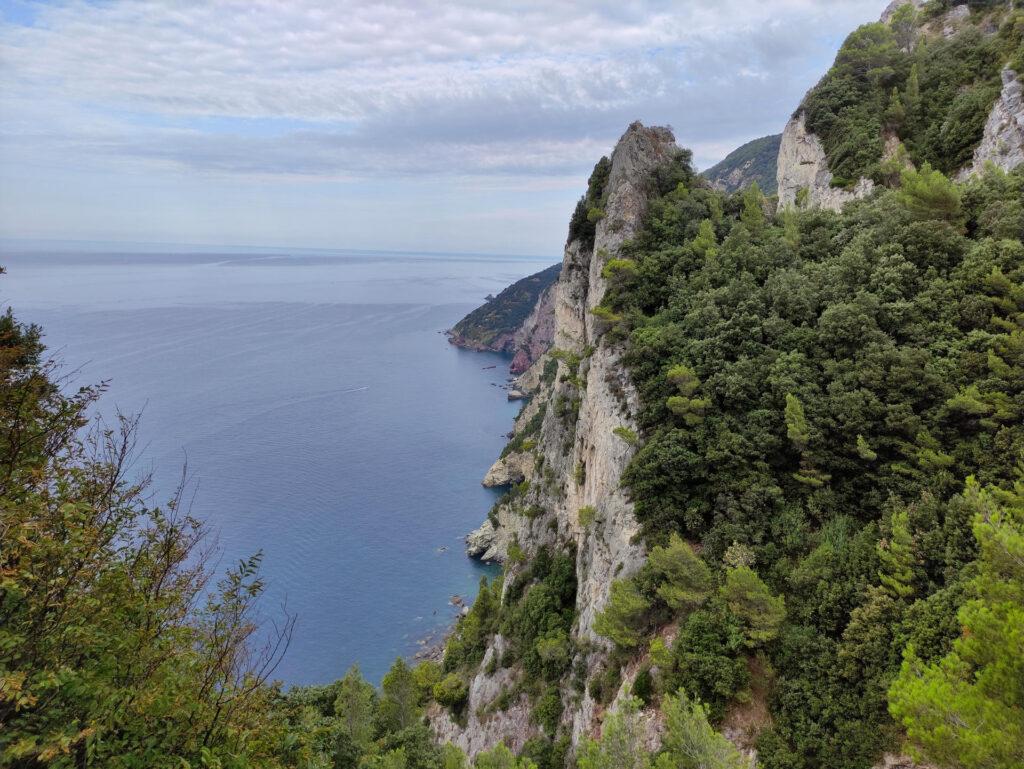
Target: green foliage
(754, 162)
(927, 194)
(684, 580)
(398, 708)
(965, 709)
(466, 645)
(583, 225)
(896, 556)
(492, 325)
(751, 602)
(690, 742)
(797, 429)
(897, 337)
(707, 659)
(354, 708)
(935, 94)
(684, 405)
(623, 620)
(627, 435)
(539, 613)
(525, 435)
(109, 621)
(451, 691)
(586, 515)
(500, 757)
(622, 741)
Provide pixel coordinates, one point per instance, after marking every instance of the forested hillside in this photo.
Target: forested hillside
(832, 427)
(928, 79)
(773, 513)
(493, 325)
(754, 163)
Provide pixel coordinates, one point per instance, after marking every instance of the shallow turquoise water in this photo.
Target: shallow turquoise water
(324, 419)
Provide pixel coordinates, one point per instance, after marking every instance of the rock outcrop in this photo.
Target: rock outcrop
(518, 322)
(755, 161)
(895, 5)
(484, 543)
(582, 459)
(1003, 140)
(512, 468)
(534, 337)
(803, 174)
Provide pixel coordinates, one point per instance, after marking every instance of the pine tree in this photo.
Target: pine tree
(897, 558)
(967, 709)
(685, 581)
(354, 707)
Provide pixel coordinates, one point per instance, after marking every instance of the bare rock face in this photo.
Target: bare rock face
(510, 469)
(1003, 140)
(484, 543)
(895, 5)
(582, 460)
(803, 171)
(535, 336)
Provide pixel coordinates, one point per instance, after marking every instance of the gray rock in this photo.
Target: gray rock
(1003, 140)
(480, 541)
(803, 166)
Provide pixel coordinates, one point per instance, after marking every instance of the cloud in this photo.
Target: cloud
(353, 89)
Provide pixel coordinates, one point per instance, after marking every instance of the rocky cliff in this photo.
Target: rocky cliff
(1003, 142)
(756, 161)
(576, 462)
(574, 439)
(804, 174)
(518, 322)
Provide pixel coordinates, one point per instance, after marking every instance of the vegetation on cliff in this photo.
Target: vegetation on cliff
(907, 81)
(756, 162)
(493, 325)
(816, 390)
(120, 649)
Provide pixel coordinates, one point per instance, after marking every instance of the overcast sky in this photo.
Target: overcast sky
(400, 125)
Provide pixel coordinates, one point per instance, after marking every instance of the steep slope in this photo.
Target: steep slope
(519, 321)
(756, 161)
(583, 395)
(930, 83)
(741, 472)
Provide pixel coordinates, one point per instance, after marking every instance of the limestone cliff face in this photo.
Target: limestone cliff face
(519, 321)
(578, 459)
(1003, 141)
(534, 337)
(803, 171)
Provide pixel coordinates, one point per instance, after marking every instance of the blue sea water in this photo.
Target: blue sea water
(325, 420)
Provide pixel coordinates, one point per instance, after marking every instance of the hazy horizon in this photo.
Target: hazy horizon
(399, 127)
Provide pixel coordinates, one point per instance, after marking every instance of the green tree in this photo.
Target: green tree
(751, 602)
(354, 707)
(690, 742)
(896, 555)
(797, 429)
(622, 741)
(683, 580)
(500, 757)
(928, 194)
(399, 701)
(623, 619)
(753, 207)
(967, 709)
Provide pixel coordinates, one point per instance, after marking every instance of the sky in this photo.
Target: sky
(401, 125)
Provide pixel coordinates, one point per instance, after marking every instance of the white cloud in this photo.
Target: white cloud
(381, 83)
(529, 92)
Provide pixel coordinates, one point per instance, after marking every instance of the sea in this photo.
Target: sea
(323, 418)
